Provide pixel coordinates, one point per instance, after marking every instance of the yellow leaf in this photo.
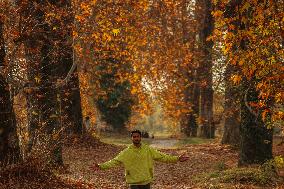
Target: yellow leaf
(75, 34)
(53, 116)
(236, 79)
(263, 114)
(133, 90)
(37, 79)
(241, 62)
(217, 13)
(115, 32)
(34, 113)
(245, 6)
(279, 97)
(106, 37)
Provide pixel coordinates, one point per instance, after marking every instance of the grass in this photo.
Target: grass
(194, 140)
(120, 139)
(124, 139)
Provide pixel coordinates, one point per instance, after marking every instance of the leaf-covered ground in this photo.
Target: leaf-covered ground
(204, 158)
(81, 153)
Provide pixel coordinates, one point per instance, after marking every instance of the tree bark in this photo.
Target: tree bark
(231, 133)
(9, 141)
(256, 138)
(43, 108)
(191, 93)
(192, 120)
(71, 110)
(206, 91)
(71, 100)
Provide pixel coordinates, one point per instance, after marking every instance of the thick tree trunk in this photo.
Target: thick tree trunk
(44, 127)
(231, 133)
(206, 91)
(70, 95)
(256, 138)
(33, 94)
(2, 45)
(9, 141)
(76, 111)
(195, 107)
(49, 104)
(192, 95)
(207, 128)
(192, 90)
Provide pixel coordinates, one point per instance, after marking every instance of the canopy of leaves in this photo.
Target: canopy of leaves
(262, 59)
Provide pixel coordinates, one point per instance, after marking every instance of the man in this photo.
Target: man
(137, 160)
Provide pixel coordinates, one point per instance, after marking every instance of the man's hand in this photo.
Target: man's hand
(183, 158)
(96, 167)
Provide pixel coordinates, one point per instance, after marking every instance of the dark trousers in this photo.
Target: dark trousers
(147, 186)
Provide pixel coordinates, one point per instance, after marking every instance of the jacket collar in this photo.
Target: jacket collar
(134, 147)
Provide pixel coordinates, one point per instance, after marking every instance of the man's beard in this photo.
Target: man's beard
(136, 142)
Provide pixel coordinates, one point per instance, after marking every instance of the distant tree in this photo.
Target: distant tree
(192, 91)
(232, 117)
(116, 100)
(206, 27)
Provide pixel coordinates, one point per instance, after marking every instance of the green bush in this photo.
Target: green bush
(245, 175)
(266, 174)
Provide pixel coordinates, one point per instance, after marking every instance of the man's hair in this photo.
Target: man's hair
(135, 131)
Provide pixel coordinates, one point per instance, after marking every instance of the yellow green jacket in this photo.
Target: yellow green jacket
(138, 163)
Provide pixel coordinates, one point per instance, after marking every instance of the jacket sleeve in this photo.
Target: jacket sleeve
(159, 156)
(118, 160)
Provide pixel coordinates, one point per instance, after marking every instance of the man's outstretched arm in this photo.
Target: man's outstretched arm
(159, 156)
(109, 164)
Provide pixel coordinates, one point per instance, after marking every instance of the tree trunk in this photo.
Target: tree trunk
(193, 125)
(9, 141)
(49, 104)
(72, 117)
(256, 138)
(231, 133)
(71, 110)
(206, 91)
(42, 96)
(191, 93)
(32, 55)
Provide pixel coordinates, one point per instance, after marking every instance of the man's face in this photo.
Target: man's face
(136, 138)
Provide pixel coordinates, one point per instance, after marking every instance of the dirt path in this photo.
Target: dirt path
(164, 143)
